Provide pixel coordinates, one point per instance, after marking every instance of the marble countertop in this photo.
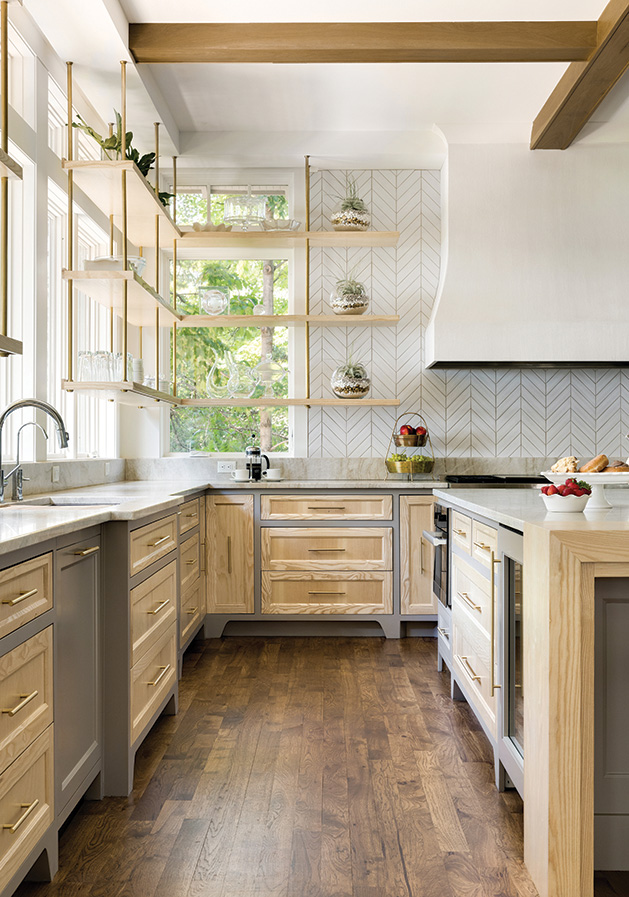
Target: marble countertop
(23, 524)
(520, 507)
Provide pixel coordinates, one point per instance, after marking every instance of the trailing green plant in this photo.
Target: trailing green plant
(112, 148)
(349, 287)
(351, 200)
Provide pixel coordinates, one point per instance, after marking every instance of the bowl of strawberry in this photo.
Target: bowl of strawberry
(571, 496)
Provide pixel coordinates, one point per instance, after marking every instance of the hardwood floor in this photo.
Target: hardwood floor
(304, 768)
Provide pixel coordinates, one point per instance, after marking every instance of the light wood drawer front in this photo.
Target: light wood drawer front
(25, 592)
(189, 516)
(327, 593)
(462, 531)
(26, 804)
(151, 679)
(472, 590)
(25, 695)
(192, 611)
(189, 561)
(153, 609)
(341, 548)
(471, 657)
(484, 542)
(151, 542)
(326, 507)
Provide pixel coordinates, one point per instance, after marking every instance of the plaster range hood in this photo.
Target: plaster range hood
(535, 260)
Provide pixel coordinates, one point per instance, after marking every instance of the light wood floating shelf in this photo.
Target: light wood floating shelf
(287, 320)
(101, 181)
(9, 346)
(220, 239)
(129, 393)
(106, 288)
(9, 168)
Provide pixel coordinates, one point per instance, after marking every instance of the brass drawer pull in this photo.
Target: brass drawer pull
(469, 601)
(190, 563)
(468, 668)
(327, 549)
(444, 633)
(325, 508)
(482, 546)
(24, 595)
(192, 611)
(229, 554)
(460, 532)
(85, 551)
(327, 593)
(158, 608)
(493, 562)
(191, 515)
(159, 542)
(28, 809)
(26, 700)
(164, 670)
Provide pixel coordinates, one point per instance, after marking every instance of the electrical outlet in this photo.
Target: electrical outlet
(225, 466)
(107, 468)
(55, 474)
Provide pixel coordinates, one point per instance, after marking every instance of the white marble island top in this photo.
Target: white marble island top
(518, 507)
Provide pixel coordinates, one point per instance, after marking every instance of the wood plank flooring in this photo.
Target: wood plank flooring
(304, 768)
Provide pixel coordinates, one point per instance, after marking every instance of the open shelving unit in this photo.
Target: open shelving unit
(107, 288)
(287, 320)
(232, 239)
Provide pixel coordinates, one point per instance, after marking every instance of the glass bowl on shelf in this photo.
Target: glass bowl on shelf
(286, 224)
(213, 302)
(245, 210)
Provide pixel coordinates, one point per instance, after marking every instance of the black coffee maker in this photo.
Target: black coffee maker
(253, 460)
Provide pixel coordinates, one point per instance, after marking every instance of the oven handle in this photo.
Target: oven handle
(435, 538)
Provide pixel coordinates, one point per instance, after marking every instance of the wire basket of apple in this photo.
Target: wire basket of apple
(411, 436)
(571, 496)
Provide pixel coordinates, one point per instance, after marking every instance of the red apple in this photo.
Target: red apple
(421, 431)
(406, 430)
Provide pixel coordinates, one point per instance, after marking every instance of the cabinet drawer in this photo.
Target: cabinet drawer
(192, 611)
(26, 804)
(484, 542)
(151, 542)
(189, 562)
(341, 548)
(462, 531)
(151, 679)
(25, 592)
(472, 590)
(153, 609)
(326, 507)
(189, 516)
(327, 593)
(25, 695)
(471, 659)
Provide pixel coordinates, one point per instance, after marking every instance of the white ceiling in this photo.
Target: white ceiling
(201, 104)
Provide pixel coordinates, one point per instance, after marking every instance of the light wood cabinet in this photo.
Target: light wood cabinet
(416, 555)
(462, 531)
(191, 572)
(149, 543)
(152, 678)
(189, 515)
(471, 660)
(230, 554)
(327, 593)
(326, 507)
(25, 592)
(153, 609)
(327, 548)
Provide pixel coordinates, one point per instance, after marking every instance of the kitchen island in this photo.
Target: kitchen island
(575, 566)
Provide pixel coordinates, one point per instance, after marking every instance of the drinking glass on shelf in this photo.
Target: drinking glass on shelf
(119, 373)
(86, 367)
(103, 366)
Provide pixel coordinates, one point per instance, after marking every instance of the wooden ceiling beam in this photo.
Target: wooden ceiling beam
(585, 84)
(363, 42)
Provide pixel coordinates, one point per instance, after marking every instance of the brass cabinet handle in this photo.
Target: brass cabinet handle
(468, 668)
(164, 670)
(159, 607)
(493, 563)
(202, 557)
(28, 809)
(191, 515)
(159, 542)
(85, 551)
(469, 601)
(22, 597)
(482, 546)
(192, 611)
(229, 554)
(190, 563)
(421, 555)
(26, 700)
(460, 532)
(327, 549)
(444, 632)
(327, 593)
(325, 508)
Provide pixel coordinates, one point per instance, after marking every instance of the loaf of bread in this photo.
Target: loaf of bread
(565, 465)
(619, 467)
(596, 465)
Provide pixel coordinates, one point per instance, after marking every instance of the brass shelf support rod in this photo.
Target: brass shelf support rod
(70, 251)
(125, 234)
(307, 182)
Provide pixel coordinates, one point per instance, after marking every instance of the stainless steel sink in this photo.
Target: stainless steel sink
(49, 501)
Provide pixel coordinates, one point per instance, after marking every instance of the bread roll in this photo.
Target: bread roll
(596, 465)
(617, 468)
(565, 465)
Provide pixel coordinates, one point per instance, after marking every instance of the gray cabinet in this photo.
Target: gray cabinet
(77, 672)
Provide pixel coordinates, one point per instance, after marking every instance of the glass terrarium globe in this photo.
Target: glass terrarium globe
(244, 210)
(350, 381)
(269, 372)
(213, 302)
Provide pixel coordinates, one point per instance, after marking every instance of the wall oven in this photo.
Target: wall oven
(438, 538)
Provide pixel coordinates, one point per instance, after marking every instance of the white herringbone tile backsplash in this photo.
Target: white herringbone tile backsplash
(471, 413)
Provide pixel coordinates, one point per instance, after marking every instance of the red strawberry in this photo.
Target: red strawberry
(563, 489)
(551, 490)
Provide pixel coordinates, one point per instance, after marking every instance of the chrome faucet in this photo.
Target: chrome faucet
(17, 472)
